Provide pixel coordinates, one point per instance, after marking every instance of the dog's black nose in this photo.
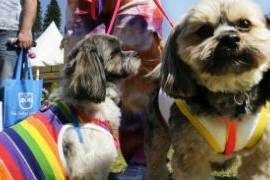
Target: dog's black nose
(229, 39)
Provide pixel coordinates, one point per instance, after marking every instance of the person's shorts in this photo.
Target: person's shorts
(8, 56)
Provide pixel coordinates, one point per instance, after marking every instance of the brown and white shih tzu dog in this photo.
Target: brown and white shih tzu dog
(73, 138)
(215, 84)
(94, 72)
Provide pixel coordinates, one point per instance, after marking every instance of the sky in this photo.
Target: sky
(174, 8)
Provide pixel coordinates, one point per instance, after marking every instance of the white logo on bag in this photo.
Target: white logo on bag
(26, 100)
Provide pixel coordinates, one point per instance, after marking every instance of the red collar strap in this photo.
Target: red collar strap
(231, 137)
(105, 124)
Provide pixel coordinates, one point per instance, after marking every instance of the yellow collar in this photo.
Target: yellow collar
(247, 132)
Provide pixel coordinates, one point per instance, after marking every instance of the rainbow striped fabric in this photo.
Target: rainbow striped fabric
(28, 150)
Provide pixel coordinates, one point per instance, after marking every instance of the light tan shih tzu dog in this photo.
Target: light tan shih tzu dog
(212, 103)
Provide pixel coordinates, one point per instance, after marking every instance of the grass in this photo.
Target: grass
(119, 164)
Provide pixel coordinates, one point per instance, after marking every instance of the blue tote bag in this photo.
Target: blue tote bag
(22, 94)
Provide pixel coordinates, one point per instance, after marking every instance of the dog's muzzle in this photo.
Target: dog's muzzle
(227, 56)
(229, 39)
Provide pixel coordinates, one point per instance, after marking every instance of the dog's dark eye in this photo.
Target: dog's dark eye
(115, 52)
(243, 25)
(205, 31)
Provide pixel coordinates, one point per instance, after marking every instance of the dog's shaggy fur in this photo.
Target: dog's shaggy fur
(217, 61)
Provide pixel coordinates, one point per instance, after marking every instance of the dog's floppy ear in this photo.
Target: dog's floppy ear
(176, 76)
(265, 85)
(267, 18)
(85, 70)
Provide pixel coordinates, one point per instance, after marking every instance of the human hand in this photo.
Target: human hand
(25, 39)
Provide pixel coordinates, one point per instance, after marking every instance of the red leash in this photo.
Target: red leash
(164, 13)
(93, 12)
(116, 9)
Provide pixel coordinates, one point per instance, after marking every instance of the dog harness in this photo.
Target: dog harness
(93, 123)
(223, 135)
(32, 149)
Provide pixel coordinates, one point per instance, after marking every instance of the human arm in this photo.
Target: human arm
(28, 17)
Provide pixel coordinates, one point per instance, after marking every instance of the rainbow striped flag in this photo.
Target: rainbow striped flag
(28, 150)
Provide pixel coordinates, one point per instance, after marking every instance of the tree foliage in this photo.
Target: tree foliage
(53, 13)
(37, 26)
